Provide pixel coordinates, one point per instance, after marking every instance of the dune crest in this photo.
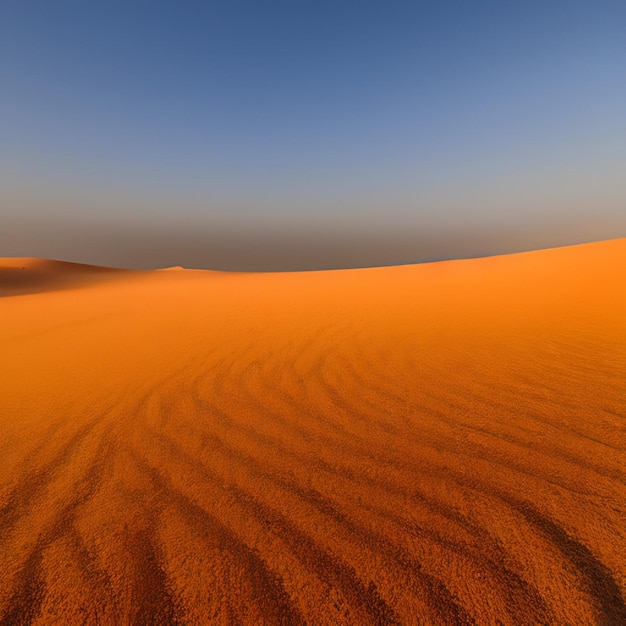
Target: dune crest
(430, 444)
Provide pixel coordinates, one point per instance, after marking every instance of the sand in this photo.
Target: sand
(19, 276)
(440, 443)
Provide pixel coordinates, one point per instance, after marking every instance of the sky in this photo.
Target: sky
(290, 135)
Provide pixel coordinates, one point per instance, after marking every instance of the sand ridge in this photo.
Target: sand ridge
(20, 276)
(441, 443)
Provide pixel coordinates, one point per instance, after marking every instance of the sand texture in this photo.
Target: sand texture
(434, 444)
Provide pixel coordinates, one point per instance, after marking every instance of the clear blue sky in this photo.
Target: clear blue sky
(135, 132)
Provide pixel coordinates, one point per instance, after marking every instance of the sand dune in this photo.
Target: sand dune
(26, 275)
(427, 444)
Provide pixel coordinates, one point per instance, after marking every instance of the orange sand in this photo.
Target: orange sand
(427, 444)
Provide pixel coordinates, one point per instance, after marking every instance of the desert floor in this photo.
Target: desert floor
(430, 444)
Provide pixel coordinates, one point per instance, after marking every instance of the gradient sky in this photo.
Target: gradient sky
(295, 135)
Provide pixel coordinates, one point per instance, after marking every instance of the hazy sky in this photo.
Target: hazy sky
(293, 135)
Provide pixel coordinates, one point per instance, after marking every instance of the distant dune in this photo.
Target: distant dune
(429, 444)
(25, 275)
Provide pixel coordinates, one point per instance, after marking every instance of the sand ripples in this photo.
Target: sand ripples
(340, 469)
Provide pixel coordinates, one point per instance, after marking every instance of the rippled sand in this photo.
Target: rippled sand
(427, 444)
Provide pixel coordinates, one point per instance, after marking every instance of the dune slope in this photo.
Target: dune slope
(424, 444)
(25, 275)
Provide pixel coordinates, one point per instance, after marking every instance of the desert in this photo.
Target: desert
(426, 444)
